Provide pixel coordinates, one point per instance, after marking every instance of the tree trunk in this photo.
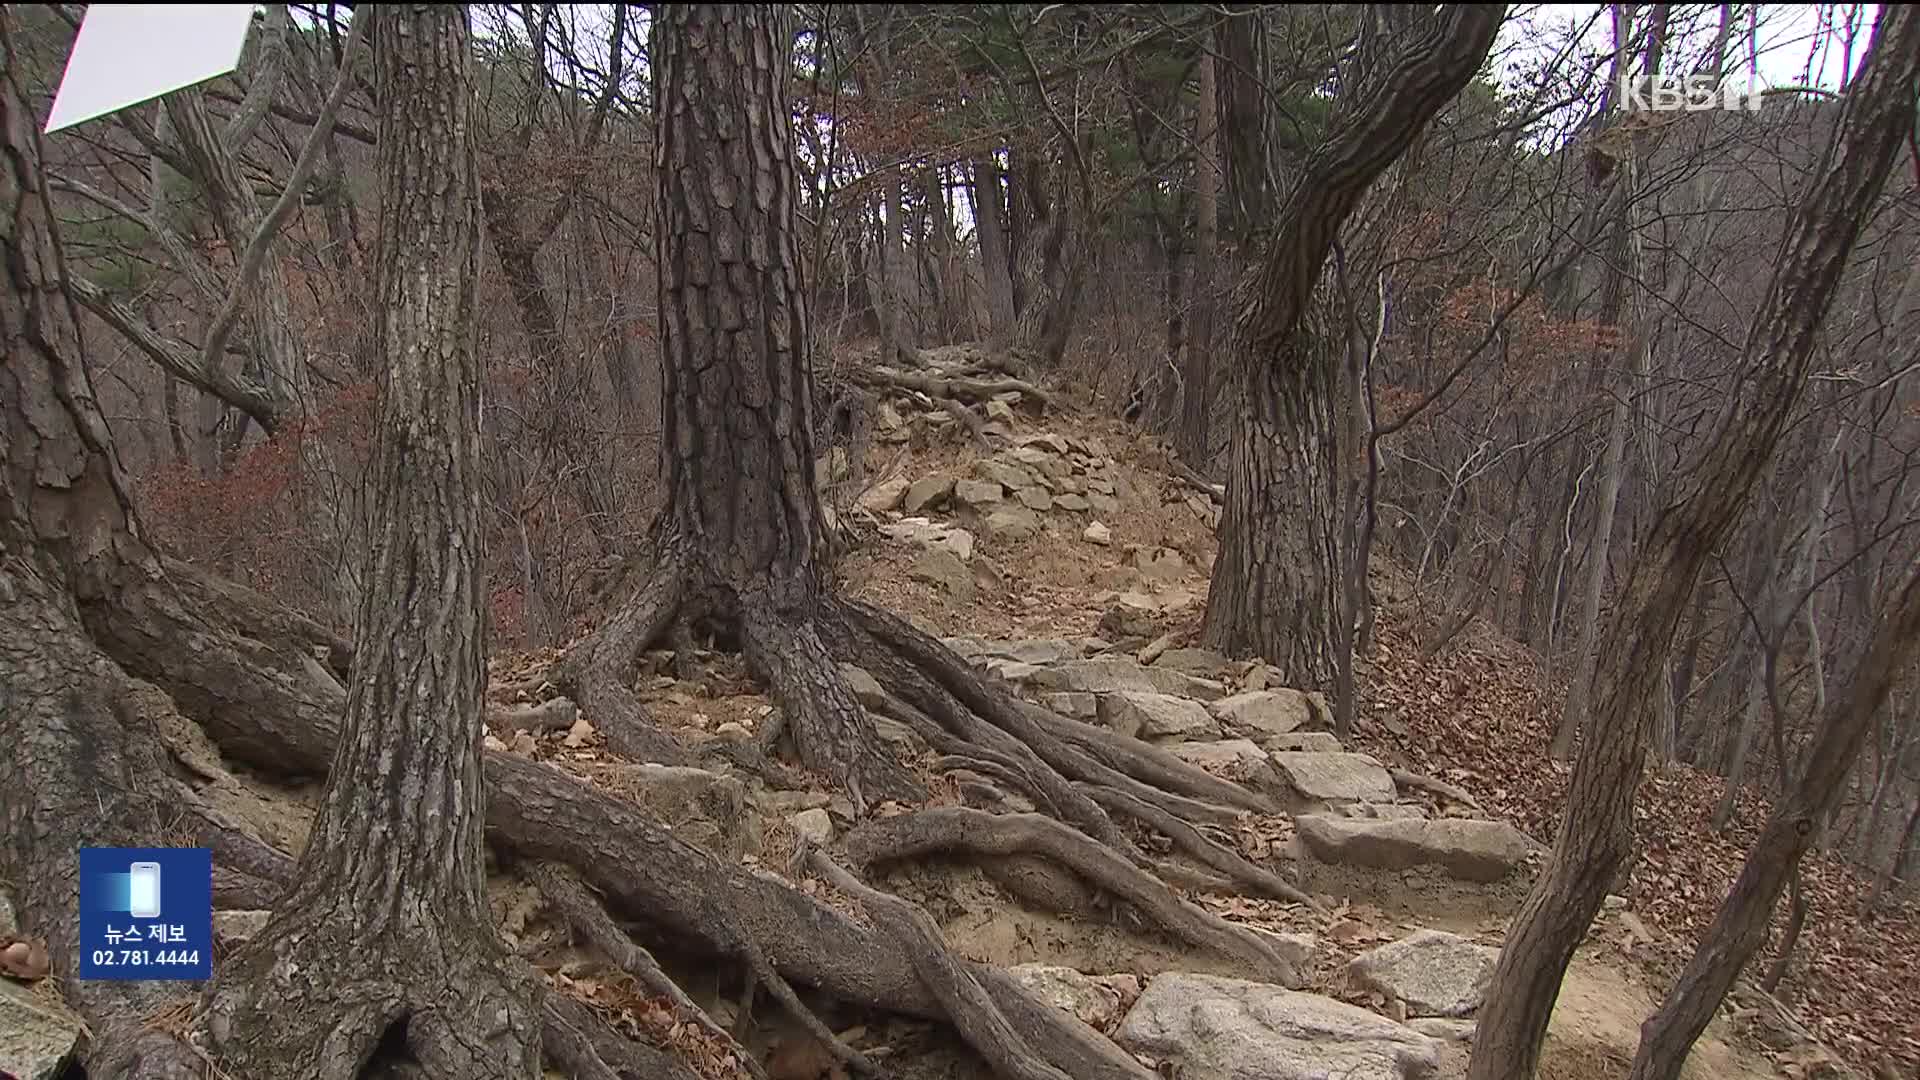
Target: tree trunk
(1741, 925)
(989, 216)
(386, 922)
(1196, 403)
(1597, 831)
(738, 429)
(1275, 583)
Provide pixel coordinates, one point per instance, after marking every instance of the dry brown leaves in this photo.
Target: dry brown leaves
(1477, 715)
(619, 1000)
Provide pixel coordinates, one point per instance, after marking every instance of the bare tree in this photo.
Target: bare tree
(1595, 835)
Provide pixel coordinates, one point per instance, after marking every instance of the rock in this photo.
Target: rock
(889, 416)
(1233, 759)
(697, 805)
(1034, 498)
(1074, 485)
(966, 645)
(1206, 663)
(1300, 950)
(1011, 523)
(988, 576)
(1098, 533)
(1261, 714)
(524, 744)
(975, 494)
(1096, 1003)
(925, 492)
(1163, 566)
(902, 738)
(578, 734)
(1381, 811)
(1156, 716)
(1106, 676)
(1032, 650)
(733, 731)
(1000, 410)
(789, 803)
(1102, 504)
(1014, 671)
(1467, 849)
(1335, 778)
(1099, 485)
(234, 927)
(1070, 501)
(1004, 473)
(815, 825)
(1232, 1029)
(1132, 615)
(944, 568)
(930, 534)
(884, 495)
(1311, 742)
(1049, 440)
(1434, 972)
(1434, 1027)
(866, 689)
(36, 1035)
(1075, 705)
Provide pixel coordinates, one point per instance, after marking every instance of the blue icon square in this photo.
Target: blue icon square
(146, 913)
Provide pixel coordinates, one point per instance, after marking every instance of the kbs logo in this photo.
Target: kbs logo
(1689, 93)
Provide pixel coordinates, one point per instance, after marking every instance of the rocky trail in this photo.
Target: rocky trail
(1071, 566)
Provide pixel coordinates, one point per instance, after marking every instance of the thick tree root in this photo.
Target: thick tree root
(972, 1010)
(1419, 782)
(574, 1038)
(937, 387)
(948, 829)
(1221, 858)
(590, 920)
(555, 715)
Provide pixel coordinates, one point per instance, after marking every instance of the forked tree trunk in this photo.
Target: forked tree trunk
(1597, 832)
(386, 924)
(1275, 582)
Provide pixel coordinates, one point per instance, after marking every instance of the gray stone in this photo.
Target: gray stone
(815, 825)
(1300, 950)
(1070, 501)
(999, 410)
(1162, 565)
(1049, 440)
(1131, 615)
(966, 645)
(1206, 663)
(1466, 849)
(1234, 759)
(1074, 485)
(1261, 714)
(931, 534)
(1034, 498)
(1332, 778)
(1032, 650)
(234, 927)
(1435, 973)
(1434, 1027)
(36, 1035)
(1311, 742)
(789, 803)
(1231, 1029)
(1103, 504)
(944, 568)
(1011, 523)
(1090, 998)
(1011, 670)
(697, 805)
(866, 689)
(1106, 676)
(1098, 533)
(925, 492)
(1076, 705)
(976, 493)
(1156, 716)
(1032, 456)
(1005, 473)
(1381, 811)
(1100, 485)
(884, 495)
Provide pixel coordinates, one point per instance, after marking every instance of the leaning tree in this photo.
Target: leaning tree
(1276, 583)
(385, 925)
(1596, 831)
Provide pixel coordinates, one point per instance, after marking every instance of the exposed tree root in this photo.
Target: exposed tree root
(938, 386)
(555, 715)
(590, 920)
(1220, 857)
(972, 1010)
(573, 1037)
(946, 829)
(1447, 791)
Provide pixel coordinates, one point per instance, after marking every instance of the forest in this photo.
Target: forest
(1036, 541)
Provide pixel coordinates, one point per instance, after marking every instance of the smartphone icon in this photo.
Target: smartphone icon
(143, 890)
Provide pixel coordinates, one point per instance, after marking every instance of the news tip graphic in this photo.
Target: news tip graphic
(146, 913)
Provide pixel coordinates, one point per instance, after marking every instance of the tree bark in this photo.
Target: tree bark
(1596, 833)
(386, 923)
(1275, 583)
(1196, 369)
(989, 210)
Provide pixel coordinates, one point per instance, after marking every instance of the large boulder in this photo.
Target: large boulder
(1232, 1029)
(1464, 848)
(1433, 972)
(37, 1035)
(1156, 716)
(1106, 676)
(1261, 714)
(1334, 778)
